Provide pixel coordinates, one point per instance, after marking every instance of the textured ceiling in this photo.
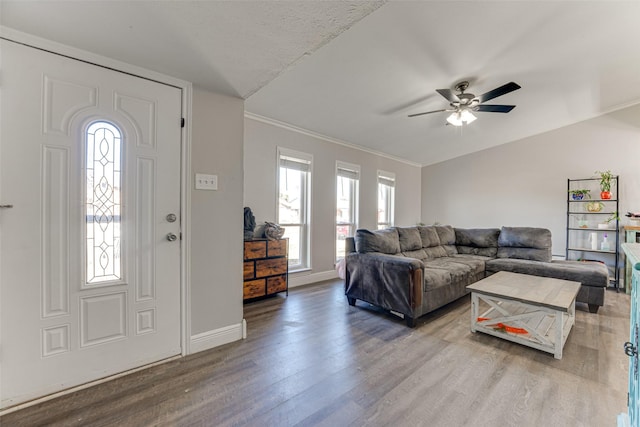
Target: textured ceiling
(574, 61)
(232, 47)
(353, 71)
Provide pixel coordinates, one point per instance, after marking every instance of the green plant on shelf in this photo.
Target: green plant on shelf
(579, 194)
(594, 207)
(605, 180)
(613, 216)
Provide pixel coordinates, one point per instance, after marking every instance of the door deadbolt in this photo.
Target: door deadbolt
(171, 217)
(172, 237)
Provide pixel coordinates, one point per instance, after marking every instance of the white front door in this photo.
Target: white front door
(89, 280)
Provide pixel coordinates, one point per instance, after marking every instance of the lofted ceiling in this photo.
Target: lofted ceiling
(354, 70)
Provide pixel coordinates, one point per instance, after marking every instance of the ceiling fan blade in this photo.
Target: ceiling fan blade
(499, 91)
(427, 112)
(494, 108)
(451, 97)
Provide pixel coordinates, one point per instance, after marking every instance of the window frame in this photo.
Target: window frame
(305, 205)
(386, 181)
(354, 202)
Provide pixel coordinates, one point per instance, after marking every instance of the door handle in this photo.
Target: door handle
(630, 349)
(6, 206)
(172, 237)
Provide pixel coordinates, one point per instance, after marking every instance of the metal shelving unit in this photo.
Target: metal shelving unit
(583, 226)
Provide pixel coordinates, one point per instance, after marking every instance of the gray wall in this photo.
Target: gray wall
(524, 183)
(216, 216)
(261, 140)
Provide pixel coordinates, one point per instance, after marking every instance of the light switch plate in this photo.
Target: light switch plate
(206, 182)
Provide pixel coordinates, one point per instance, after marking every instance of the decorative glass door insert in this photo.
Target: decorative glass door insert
(103, 203)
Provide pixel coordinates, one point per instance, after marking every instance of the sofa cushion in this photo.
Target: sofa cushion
(459, 271)
(419, 254)
(434, 252)
(435, 278)
(477, 241)
(429, 236)
(447, 237)
(431, 243)
(409, 238)
(385, 241)
(476, 262)
(527, 243)
(587, 273)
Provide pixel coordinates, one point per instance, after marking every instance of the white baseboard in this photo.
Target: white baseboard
(218, 337)
(215, 338)
(305, 279)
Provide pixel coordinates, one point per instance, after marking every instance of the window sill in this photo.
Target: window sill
(299, 270)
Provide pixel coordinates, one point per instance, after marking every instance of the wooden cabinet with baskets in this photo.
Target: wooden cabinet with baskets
(265, 268)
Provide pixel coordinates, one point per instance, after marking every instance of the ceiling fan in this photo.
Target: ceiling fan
(462, 104)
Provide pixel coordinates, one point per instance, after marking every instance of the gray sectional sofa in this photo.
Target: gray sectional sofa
(415, 270)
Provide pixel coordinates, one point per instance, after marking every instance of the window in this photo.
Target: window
(347, 180)
(103, 203)
(386, 196)
(294, 178)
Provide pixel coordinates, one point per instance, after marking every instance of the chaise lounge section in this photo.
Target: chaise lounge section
(415, 270)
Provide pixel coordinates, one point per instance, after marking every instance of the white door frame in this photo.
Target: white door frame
(185, 150)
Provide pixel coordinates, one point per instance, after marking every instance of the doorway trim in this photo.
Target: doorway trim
(185, 154)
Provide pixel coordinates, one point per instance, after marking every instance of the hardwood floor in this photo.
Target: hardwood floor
(312, 360)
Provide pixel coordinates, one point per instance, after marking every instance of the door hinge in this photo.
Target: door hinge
(182, 122)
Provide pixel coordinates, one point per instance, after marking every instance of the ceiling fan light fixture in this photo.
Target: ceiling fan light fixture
(462, 104)
(459, 118)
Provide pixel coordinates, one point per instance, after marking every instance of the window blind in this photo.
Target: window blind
(295, 164)
(348, 173)
(388, 181)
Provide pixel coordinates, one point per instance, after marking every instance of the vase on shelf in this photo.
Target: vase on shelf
(594, 206)
(579, 194)
(605, 183)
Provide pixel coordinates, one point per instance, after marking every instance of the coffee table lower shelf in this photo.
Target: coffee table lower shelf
(542, 328)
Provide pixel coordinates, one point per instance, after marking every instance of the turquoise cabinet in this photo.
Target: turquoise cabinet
(632, 252)
(632, 235)
(632, 349)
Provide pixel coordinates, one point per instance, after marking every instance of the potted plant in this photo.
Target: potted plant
(606, 222)
(594, 206)
(579, 194)
(605, 184)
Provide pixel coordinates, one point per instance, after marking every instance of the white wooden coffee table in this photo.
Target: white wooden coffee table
(534, 311)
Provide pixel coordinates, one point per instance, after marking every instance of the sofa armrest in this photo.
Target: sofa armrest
(388, 281)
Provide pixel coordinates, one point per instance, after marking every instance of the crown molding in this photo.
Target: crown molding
(322, 137)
